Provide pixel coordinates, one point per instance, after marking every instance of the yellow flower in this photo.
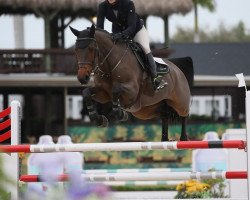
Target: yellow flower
(21, 155)
(206, 186)
(191, 183)
(180, 186)
(199, 187)
(191, 189)
(192, 186)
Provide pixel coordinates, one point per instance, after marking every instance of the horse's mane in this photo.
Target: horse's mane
(104, 33)
(102, 30)
(86, 32)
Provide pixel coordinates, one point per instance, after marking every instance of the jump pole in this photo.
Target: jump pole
(123, 146)
(145, 176)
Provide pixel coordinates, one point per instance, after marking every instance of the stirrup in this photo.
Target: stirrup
(159, 83)
(162, 85)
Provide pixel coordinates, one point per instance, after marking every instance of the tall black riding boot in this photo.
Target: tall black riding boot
(152, 69)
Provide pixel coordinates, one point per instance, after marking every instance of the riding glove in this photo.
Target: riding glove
(119, 36)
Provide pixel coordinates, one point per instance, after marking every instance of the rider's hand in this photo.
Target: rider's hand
(119, 36)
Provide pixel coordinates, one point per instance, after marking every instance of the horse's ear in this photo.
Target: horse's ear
(74, 31)
(92, 30)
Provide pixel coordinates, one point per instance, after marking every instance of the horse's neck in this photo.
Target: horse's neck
(104, 42)
(115, 61)
(108, 51)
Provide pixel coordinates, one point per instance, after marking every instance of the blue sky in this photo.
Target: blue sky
(228, 12)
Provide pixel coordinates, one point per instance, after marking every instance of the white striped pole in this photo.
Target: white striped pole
(114, 171)
(123, 146)
(141, 183)
(145, 176)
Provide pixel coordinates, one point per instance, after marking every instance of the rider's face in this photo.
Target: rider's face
(112, 1)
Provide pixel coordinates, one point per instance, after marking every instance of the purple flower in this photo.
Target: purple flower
(79, 188)
(101, 190)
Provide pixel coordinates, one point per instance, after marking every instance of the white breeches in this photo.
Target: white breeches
(142, 38)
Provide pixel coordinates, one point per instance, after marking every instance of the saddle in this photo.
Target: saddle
(162, 68)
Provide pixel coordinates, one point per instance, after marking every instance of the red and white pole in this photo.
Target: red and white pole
(123, 146)
(144, 176)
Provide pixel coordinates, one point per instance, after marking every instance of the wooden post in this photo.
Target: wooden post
(166, 31)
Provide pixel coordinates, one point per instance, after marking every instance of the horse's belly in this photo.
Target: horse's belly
(144, 100)
(162, 94)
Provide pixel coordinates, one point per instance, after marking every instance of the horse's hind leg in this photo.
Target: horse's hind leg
(99, 120)
(184, 136)
(164, 133)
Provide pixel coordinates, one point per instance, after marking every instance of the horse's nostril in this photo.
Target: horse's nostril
(83, 80)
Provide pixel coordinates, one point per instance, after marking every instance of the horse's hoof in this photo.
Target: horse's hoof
(124, 116)
(104, 123)
(184, 139)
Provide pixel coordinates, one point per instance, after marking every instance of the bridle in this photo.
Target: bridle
(91, 63)
(94, 64)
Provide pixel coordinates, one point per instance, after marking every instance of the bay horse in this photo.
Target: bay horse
(111, 73)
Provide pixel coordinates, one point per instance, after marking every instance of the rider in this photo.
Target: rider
(127, 24)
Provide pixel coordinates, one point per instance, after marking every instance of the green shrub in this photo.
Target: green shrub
(209, 188)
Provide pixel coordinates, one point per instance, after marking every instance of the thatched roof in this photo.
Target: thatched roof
(144, 7)
(163, 7)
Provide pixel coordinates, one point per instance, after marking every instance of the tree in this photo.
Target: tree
(210, 5)
(237, 33)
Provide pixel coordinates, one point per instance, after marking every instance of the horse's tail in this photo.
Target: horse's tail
(185, 64)
(167, 112)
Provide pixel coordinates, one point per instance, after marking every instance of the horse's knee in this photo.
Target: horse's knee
(86, 93)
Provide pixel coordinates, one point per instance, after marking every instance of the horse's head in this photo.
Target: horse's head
(86, 53)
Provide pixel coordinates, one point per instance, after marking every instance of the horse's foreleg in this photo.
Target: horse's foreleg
(118, 113)
(184, 136)
(99, 120)
(164, 136)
